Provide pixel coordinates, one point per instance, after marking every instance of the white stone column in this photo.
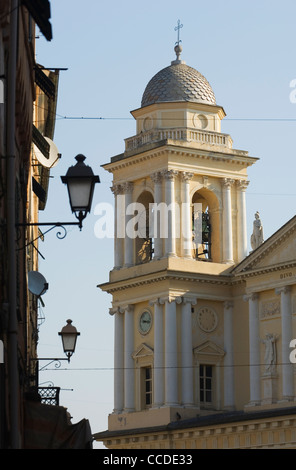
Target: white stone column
(119, 226)
(128, 241)
(242, 244)
(158, 370)
(158, 242)
(186, 215)
(187, 352)
(129, 371)
(118, 360)
(229, 399)
(171, 353)
(254, 348)
(287, 336)
(170, 241)
(227, 222)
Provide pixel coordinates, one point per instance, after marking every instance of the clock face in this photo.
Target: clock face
(207, 319)
(145, 322)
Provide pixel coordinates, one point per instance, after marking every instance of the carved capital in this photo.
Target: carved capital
(156, 177)
(253, 296)
(242, 184)
(228, 304)
(186, 176)
(117, 189)
(189, 300)
(227, 182)
(282, 290)
(128, 187)
(170, 299)
(154, 302)
(170, 174)
(114, 310)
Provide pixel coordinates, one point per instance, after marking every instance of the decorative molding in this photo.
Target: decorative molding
(266, 269)
(124, 284)
(143, 351)
(210, 348)
(237, 157)
(270, 308)
(213, 436)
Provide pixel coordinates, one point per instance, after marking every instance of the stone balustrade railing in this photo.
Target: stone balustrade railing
(183, 134)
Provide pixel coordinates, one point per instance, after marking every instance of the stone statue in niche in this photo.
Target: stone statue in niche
(257, 235)
(270, 352)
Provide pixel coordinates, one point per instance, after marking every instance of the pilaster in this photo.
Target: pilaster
(254, 348)
(287, 331)
(227, 221)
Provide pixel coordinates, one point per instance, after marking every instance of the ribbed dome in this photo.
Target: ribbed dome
(178, 82)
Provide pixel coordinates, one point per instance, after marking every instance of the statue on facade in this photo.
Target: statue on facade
(270, 352)
(257, 235)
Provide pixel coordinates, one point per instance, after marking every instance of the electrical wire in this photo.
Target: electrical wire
(225, 366)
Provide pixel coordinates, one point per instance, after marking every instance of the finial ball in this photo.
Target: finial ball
(178, 49)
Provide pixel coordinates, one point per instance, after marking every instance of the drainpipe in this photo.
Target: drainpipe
(13, 379)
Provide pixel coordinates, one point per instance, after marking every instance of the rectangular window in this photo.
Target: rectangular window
(206, 384)
(147, 386)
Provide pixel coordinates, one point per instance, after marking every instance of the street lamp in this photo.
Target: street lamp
(69, 336)
(80, 182)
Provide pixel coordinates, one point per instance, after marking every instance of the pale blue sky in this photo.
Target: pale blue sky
(112, 49)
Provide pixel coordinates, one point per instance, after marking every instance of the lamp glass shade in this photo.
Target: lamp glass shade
(69, 337)
(69, 342)
(80, 181)
(80, 193)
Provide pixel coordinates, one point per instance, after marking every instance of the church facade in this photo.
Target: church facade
(204, 330)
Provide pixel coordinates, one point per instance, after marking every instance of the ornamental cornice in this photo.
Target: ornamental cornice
(232, 427)
(129, 283)
(238, 157)
(266, 270)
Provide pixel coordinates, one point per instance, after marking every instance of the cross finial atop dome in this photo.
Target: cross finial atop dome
(178, 48)
(177, 28)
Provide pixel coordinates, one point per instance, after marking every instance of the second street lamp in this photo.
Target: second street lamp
(69, 336)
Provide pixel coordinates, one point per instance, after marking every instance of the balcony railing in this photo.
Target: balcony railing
(183, 134)
(49, 395)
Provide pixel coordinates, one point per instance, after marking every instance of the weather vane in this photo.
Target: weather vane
(177, 28)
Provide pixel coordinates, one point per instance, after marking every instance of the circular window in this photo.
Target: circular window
(148, 124)
(200, 121)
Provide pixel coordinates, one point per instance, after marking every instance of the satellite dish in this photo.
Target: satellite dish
(54, 155)
(37, 283)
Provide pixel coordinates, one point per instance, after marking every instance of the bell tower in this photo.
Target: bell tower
(180, 227)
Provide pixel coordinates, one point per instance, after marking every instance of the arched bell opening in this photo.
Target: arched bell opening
(144, 241)
(205, 226)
